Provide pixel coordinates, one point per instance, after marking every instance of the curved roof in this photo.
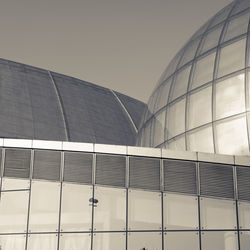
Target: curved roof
(39, 104)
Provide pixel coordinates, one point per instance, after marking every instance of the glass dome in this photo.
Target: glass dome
(202, 100)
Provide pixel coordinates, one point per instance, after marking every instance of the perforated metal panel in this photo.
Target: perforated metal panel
(78, 167)
(144, 173)
(216, 180)
(180, 176)
(110, 170)
(17, 163)
(47, 165)
(243, 183)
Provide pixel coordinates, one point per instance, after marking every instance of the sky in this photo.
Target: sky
(124, 45)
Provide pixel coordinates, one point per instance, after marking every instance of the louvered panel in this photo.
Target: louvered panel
(180, 176)
(144, 173)
(78, 167)
(243, 182)
(110, 170)
(47, 165)
(17, 163)
(216, 180)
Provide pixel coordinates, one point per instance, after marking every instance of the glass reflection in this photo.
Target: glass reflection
(110, 211)
(75, 241)
(109, 241)
(44, 206)
(14, 211)
(76, 210)
(144, 210)
(42, 242)
(12, 242)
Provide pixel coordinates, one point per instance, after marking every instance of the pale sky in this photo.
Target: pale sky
(124, 45)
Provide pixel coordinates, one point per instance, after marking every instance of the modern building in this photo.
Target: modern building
(72, 178)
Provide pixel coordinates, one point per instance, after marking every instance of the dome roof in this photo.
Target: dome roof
(39, 104)
(202, 100)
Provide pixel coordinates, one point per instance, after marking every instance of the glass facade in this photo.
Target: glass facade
(205, 204)
(201, 102)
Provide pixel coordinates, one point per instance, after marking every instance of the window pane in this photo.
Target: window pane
(219, 240)
(217, 214)
(144, 210)
(162, 98)
(230, 96)
(76, 210)
(211, 39)
(231, 136)
(12, 242)
(180, 212)
(159, 127)
(145, 240)
(248, 87)
(244, 240)
(181, 241)
(203, 71)
(110, 212)
(75, 241)
(199, 108)
(201, 140)
(42, 242)
(180, 83)
(244, 215)
(177, 143)
(189, 52)
(232, 58)
(15, 184)
(237, 26)
(14, 211)
(176, 118)
(109, 241)
(44, 207)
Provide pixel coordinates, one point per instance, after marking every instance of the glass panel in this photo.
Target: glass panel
(203, 71)
(199, 108)
(75, 241)
(76, 210)
(177, 143)
(232, 58)
(44, 207)
(231, 136)
(42, 242)
(145, 240)
(176, 118)
(201, 140)
(12, 242)
(219, 240)
(248, 88)
(180, 83)
(109, 241)
(159, 127)
(110, 212)
(144, 210)
(217, 214)
(181, 241)
(237, 26)
(244, 215)
(180, 212)
(189, 52)
(211, 39)
(14, 211)
(230, 96)
(15, 184)
(162, 98)
(244, 240)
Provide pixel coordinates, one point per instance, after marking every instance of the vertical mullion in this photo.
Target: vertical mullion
(29, 201)
(60, 202)
(93, 195)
